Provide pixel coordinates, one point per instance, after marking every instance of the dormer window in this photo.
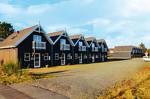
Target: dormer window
(37, 42)
(62, 41)
(93, 45)
(80, 43)
(37, 38)
(63, 45)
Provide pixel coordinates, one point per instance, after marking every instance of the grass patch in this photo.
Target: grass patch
(136, 88)
(11, 73)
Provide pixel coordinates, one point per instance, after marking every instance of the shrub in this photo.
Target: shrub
(10, 68)
(11, 73)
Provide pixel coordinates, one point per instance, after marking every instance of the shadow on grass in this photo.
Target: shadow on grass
(46, 74)
(111, 60)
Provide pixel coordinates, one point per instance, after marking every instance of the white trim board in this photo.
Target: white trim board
(22, 39)
(66, 36)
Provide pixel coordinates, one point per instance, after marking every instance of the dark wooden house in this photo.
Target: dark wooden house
(93, 53)
(80, 49)
(29, 47)
(103, 50)
(62, 49)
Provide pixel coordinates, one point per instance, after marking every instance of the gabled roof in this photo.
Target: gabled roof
(91, 39)
(101, 41)
(77, 38)
(121, 55)
(17, 37)
(58, 35)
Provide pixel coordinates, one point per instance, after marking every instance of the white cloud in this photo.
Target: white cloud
(38, 9)
(9, 10)
(57, 27)
(100, 22)
(131, 8)
(13, 10)
(116, 21)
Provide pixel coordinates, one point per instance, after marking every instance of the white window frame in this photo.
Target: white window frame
(56, 56)
(69, 56)
(37, 38)
(80, 43)
(63, 41)
(25, 56)
(93, 45)
(96, 56)
(46, 56)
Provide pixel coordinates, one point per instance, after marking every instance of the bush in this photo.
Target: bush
(10, 68)
(11, 73)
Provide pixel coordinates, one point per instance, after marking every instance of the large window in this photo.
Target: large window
(26, 56)
(93, 45)
(37, 38)
(80, 43)
(63, 41)
(96, 56)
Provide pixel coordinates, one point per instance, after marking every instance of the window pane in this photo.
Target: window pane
(62, 41)
(37, 38)
(93, 45)
(80, 43)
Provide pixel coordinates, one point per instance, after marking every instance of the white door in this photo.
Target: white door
(80, 59)
(37, 60)
(93, 59)
(63, 59)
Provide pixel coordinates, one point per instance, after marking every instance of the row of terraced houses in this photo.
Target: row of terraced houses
(33, 48)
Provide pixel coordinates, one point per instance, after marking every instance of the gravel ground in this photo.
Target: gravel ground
(86, 81)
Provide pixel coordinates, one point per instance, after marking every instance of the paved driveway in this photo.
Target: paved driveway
(83, 82)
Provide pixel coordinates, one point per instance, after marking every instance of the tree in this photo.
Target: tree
(5, 29)
(142, 46)
(148, 50)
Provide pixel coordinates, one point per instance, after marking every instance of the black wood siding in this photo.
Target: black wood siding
(76, 51)
(56, 49)
(26, 47)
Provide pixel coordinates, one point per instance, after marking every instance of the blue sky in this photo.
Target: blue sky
(119, 22)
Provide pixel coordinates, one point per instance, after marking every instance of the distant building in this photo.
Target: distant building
(126, 52)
